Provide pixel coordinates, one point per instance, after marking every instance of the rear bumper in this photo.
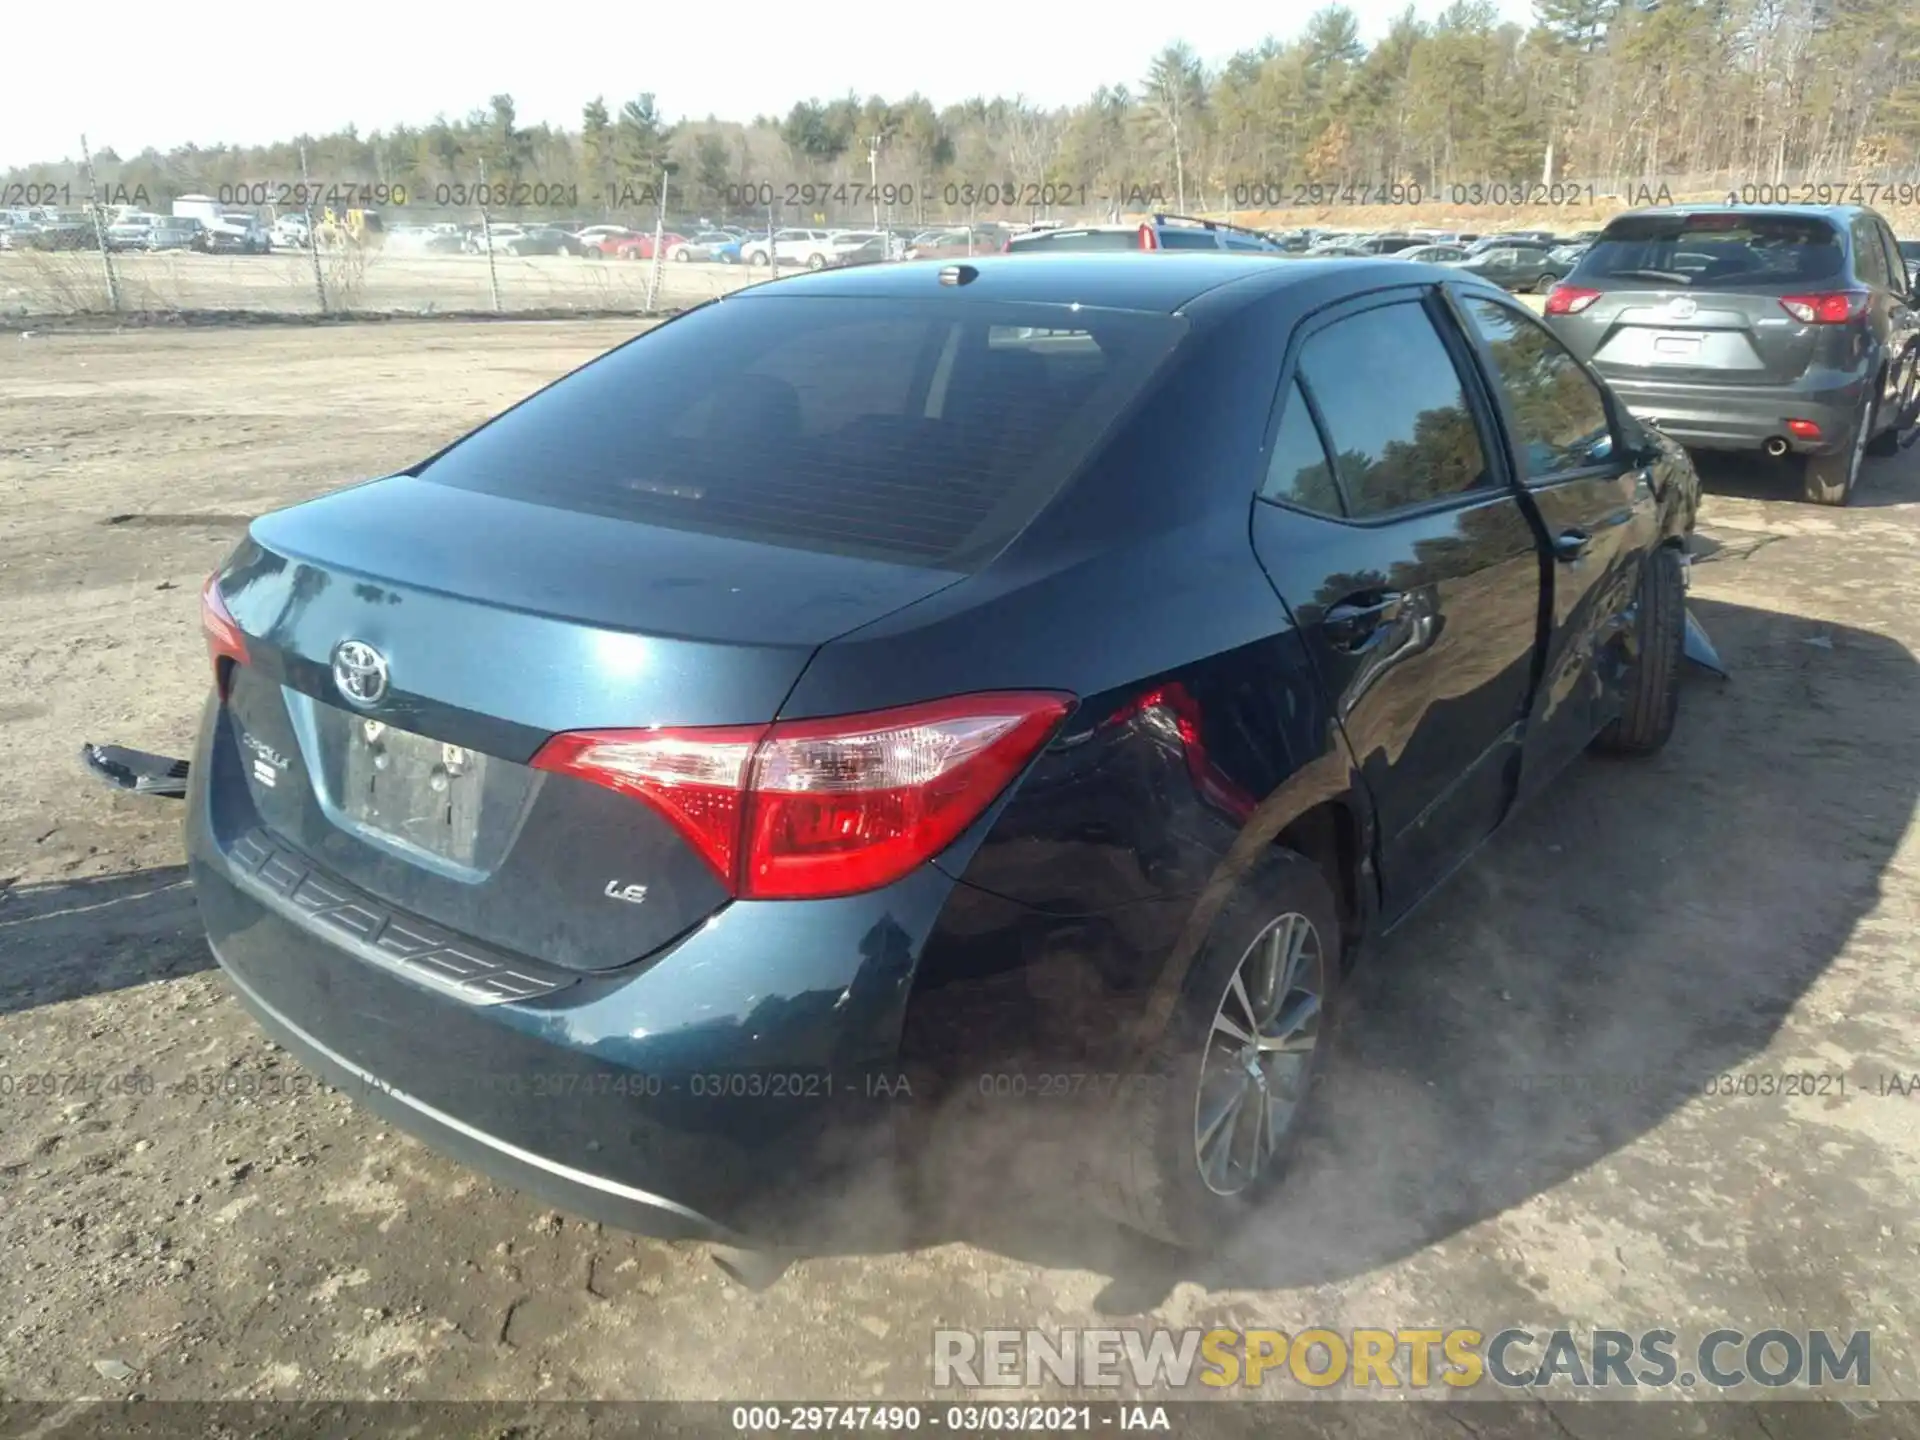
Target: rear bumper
(734, 1088)
(1725, 417)
(586, 1193)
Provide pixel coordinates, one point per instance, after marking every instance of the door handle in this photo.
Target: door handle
(1351, 624)
(1571, 545)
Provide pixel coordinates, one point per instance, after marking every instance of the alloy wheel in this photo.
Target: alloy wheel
(1258, 1050)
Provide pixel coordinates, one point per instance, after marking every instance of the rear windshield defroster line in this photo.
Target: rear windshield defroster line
(919, 433)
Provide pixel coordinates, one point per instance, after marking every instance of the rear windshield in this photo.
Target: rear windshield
(919, 432)
(1079, 240)
(1716, 251)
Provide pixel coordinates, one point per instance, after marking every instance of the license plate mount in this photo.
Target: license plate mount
(1676, 347)
(414, 788)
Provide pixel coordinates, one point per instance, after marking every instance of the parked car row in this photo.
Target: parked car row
(46, 229)
(1791, 332)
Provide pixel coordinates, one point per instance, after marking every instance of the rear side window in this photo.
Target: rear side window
(1298, 473)
(1559, 418)
(1396, 412)
(1723, 250)
(919, 432)
(1870, 255)
(1188, 240)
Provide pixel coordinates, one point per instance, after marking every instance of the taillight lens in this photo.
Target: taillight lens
(1569, 299)
(225, 642)
(1006, 246)
(1835, 308)
(1148, 240)
(807, 809)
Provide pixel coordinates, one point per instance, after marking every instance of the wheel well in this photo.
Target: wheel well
(1329, 835)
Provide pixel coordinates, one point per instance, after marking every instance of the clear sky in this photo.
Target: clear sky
(133, 73)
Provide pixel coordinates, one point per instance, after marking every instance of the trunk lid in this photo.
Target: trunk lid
(1708, 336)
(496, 623)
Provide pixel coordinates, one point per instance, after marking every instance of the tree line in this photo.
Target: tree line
(1602, 93)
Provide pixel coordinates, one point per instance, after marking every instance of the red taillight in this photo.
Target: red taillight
(224, 638)
(1569, 299)
(806, 809)
(1832, 309)
(1148, 240)
(1803, 429)
(1006, 246)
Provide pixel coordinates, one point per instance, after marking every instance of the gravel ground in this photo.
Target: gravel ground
(1522, 1122)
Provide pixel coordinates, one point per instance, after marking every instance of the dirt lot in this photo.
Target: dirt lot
(1522, 1122)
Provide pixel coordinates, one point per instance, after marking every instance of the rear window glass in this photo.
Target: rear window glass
(918, 432)
(1716, 251)
(1188, 240)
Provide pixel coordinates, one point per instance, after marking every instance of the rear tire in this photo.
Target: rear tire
(1651, 704)
(1829, 479)
(1281, 918)
(1888, 442)
(1545, 284)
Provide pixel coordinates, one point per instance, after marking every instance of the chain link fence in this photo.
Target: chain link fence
(312, 245)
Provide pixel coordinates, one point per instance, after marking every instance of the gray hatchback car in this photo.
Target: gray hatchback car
(1793, 331)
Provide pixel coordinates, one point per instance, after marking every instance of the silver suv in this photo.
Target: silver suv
(1792, 331)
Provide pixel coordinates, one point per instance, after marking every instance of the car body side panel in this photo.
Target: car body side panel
(1433, 702)
(1589, 597)
(1433, 710)
(1199, 707)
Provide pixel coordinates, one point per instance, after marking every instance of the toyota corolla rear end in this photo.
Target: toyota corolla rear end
(500, 817)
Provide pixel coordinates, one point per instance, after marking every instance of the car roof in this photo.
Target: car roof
(1156, 281)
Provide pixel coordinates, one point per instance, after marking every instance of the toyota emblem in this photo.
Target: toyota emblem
(359, 672)
(1682, 307)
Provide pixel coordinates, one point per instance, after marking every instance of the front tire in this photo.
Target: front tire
(1651, 703)
(1829, 479)
(1208, 1132)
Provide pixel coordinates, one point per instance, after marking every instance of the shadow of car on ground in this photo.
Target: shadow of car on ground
(1639, 932)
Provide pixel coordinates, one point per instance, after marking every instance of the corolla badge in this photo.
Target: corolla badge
(359, 672)
(268, 763)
